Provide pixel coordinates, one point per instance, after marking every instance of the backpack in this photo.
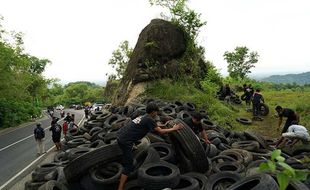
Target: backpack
(39, 133)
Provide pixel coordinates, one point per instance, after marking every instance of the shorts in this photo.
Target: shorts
(127, 161)
(56, 139)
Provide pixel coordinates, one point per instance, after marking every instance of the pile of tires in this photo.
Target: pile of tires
(91, 158)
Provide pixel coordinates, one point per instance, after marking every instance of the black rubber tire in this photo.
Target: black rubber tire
(94, 130)
(297, 185)
(244, 120)
(76, 142)
(234, 154)
(165, 152)
(44, 176)
(223, 146)
(222, 180)
(93, 123)
(79, 166)
(154, 176)
(155, 138)
(108, 122)
(106, 174)
(186, 139)
(187, 183)
(250, 135)
(96, 144)
(202, 179)
(60, 157)
(228, 166)
(29, 185)
(102, 117)
(189, 106)
(263, 109)
(110, 137)
(255, 182)
(213, 151)
(216, 141)
(128, 110)
(116, 125)
(143, 157)
(53, 185)
(168, 111)
(221, 158)
(76, 152)
(246, 145)
(246, 155)
(183, 115)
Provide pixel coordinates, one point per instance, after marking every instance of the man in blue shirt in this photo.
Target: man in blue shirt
(135, 131)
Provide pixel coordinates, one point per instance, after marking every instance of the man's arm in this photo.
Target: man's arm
(280, 122)
(164, 131)
(205, 136)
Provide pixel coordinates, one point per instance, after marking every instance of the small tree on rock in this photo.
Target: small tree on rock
(240, 61)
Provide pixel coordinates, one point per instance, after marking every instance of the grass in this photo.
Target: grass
(222, 113)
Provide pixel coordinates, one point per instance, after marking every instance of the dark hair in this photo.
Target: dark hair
(278, 108)
(38, 124)
(258, 90)
(196, 116)
(151, 107)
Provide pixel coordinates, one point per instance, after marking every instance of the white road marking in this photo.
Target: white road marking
(23, 170)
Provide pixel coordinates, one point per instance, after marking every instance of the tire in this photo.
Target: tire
(183, 115)
(213, 151)
(106, 174)
(244, 120)
(250, 135)
(94, 130)
(234, 154)
(202, 179)
(102, 117)
(222, 180)
(76, 152)
(154, 176)
(110, 137)
(93, 123)
(221, 158)
(223, 146)
(53, 185)
(76, 142)
(44, 176)
(216, 141)
(128, 110)
(168, 111)
(189, 106)
(246, 145)
(186, 139)
(187, 183)
(96, 144)
(108, 122)
(165, 152)
(263, 109)
(155, 138)
(29, 185)
(116, 125)
(228, 167)
(255, 182)
(79, 166)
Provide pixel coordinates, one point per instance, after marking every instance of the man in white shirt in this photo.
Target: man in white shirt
(293, 135)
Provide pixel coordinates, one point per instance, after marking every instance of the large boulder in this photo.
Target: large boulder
(160, 43)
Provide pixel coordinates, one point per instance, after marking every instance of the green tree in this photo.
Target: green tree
(240, 62)
(120, 58)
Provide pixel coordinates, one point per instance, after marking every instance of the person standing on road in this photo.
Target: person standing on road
(291, 116)
(86, 111)
(135, 131)
(56, 132)
(68, 118)
(39, 135)
(194, 123)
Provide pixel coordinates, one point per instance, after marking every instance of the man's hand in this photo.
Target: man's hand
(207, 141)
(178, 126)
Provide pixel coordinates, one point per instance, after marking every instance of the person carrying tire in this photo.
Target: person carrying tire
(194, 123)
(39, 135)
(291, 116)
(56, 132)
(257, 100)
(134, 131)
(293, 135)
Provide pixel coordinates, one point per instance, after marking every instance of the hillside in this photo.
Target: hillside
(301, 79)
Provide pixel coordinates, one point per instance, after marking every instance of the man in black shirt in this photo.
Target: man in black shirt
(291, 116)
(56, 132)
(256, 101)
(135, 131)
(194, 123)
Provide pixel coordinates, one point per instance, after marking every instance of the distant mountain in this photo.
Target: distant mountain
(301, 79)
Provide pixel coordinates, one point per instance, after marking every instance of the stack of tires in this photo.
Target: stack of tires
(91, 158)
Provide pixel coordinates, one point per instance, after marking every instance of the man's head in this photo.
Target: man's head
(257, 90)
(279, 109)
(152, 109)
(196, 117)
(68, 114)
(38, 124)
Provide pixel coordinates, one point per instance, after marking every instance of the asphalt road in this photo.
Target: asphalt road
(18, 147)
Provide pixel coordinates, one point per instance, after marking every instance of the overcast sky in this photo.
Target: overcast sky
(78, 36)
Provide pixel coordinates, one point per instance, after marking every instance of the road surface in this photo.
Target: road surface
(18, 147)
